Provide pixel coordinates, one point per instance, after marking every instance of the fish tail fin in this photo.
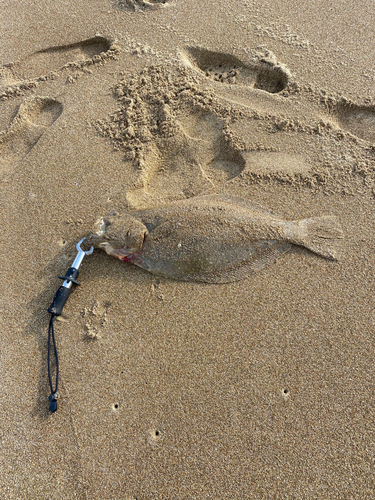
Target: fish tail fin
(321, 235)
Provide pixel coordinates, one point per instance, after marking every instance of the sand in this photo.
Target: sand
(262, 388)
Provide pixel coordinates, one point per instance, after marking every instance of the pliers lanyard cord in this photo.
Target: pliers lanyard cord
(51, 335)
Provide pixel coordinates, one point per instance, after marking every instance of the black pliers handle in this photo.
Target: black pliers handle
(70, 277)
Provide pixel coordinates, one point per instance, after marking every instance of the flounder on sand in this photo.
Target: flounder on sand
(214, 239)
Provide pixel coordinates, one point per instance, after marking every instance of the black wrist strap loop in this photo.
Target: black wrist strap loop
(54, 395)
(55, 309)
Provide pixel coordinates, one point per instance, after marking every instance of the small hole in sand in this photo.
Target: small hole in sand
(115, 406)
(286, 391)
(157, 433)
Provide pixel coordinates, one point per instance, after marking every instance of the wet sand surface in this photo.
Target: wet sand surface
(261, 388)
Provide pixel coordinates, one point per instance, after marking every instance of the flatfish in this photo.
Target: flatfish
(212, 239)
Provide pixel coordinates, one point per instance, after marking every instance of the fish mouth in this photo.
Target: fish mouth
(119, 253)
(102, 227)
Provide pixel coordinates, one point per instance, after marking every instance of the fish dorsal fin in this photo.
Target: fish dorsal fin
(240, 202)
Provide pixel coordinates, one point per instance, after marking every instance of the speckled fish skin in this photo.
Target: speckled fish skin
(214, 239)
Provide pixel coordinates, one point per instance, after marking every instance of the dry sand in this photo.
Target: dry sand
(257, 389)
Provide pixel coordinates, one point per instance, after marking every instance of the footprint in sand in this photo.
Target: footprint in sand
(33, 118)
(268, 75)
(197, 156)
(44, 62)
(358, 120)
(264, 74)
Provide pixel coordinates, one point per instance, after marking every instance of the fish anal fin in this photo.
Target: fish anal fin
(261, 260)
